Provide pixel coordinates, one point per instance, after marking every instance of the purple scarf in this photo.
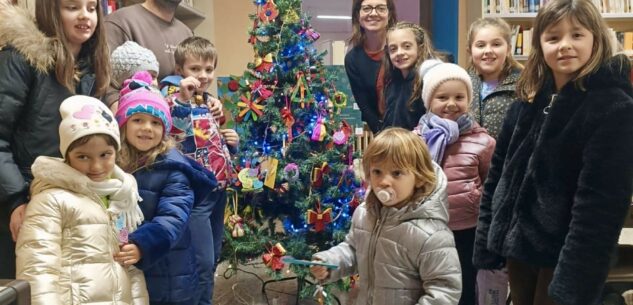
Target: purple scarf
(439, 133)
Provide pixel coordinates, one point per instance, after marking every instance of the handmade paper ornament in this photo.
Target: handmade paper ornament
(249, 109)
(264, 64)
(269, 12)
(317, 174)
(341, 136)
(319, 130)
(291, 172)
(301, 91)
(319, 218)
(258, 89)
(319, 294)
(340, 101)
(272, 259)
(291, 16)
(233, 85)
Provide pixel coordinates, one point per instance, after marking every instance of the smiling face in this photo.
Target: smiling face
(374, 15)
(201, 69)
(488, 52)
(79, 21)
(450, 100)
(567, 47)
(95, 158)
(143, 131)
(403, 49)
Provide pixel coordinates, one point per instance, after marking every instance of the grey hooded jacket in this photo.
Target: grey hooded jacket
(404, 256)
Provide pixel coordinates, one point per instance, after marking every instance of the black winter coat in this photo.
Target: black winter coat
(29, 105)
(560, 184)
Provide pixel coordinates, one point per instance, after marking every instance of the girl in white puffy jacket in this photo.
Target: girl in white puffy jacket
(81, 209)
(399, 242)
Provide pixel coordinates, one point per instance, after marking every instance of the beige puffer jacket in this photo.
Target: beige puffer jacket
(404, 256)
(67, 241)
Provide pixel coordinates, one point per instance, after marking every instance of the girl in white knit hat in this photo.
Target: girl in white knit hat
(82, 208)
(463, 149)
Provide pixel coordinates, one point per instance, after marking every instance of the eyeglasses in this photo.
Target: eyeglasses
(380, 9)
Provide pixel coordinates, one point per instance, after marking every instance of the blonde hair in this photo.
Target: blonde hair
(405, 150)
(425, 51)
(582, 12)
(195, 47)
(49, 21)
(358, 33)
(506, 32)
(131, 159)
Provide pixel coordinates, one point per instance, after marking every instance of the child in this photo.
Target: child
(201, 138)
(493, 71)
(561, 177)
(41, 64)
(463, 149)
(79, 205)
(399, 242)
(127, 59)
(408, 46)
(363, 63)
(171, 185)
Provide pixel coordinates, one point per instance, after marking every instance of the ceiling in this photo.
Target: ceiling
(329, 7)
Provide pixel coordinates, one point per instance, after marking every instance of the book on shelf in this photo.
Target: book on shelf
(532, 6)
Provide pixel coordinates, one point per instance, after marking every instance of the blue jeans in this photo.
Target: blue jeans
(207, 230)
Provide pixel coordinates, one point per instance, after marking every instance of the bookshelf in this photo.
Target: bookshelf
(520, 14)
(186, 12)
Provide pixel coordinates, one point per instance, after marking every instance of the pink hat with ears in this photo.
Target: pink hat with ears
(137, 96)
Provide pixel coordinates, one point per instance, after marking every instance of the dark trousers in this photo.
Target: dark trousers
(464, 242)
(207, 230)
(528, 283)
(7, 251)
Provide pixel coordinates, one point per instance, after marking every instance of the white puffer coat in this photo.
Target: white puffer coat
(404, 256)
(67, 242)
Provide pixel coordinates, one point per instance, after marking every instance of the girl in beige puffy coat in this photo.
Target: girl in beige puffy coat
(399, 242)
(81, 209)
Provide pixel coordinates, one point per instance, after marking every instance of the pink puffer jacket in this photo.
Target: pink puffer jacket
(466, 164)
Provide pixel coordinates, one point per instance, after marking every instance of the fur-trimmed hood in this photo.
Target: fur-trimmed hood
(19, 30)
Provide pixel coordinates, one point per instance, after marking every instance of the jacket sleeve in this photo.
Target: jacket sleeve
(485, 158)
(158, 235)
(343, 255)
(440, 270)
(139, 288)
(482, 257)
(38, 250)
(360, 96)
(16, 77)
(600, 204)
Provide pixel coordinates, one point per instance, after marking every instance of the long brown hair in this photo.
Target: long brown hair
(48, 17)
(425, 51)
(131, 159)
(506, 32)
(582, 12)
(358, 33)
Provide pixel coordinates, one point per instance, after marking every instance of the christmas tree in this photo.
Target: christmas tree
(294, 188)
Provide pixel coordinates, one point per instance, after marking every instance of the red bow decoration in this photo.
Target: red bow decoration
(289, 120)
(259, 88)
(253, 39)
(319, 219)
(272, 259)
(317, 174)
(269, 12)
(264, 64)
(249, 109)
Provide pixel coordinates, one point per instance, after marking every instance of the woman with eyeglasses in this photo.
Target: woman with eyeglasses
(370, 20)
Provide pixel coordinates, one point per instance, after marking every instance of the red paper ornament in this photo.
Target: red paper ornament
(319, 219)
(272, 259)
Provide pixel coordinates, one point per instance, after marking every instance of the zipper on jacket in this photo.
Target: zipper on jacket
(372, 254)
(551, 102)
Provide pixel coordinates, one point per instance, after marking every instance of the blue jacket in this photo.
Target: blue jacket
(169, 188)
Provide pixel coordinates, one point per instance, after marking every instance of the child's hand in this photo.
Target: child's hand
(231, 138)
(188, 87)
(215, 107)
(128, 255)
(319, 272)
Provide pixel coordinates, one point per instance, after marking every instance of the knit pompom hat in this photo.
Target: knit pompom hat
(82, 116)
(130, 58)
(435, 72)
(137, 96)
